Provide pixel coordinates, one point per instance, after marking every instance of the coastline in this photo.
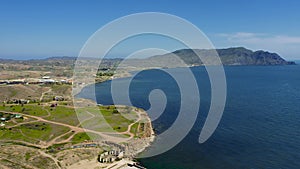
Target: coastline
(134, 146)
(139, 145)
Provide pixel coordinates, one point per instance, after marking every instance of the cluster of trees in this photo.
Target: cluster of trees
(105, 74)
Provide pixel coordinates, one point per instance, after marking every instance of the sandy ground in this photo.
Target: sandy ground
(86, 164)
(94, 164)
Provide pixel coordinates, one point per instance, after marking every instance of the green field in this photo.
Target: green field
(62, 114)
(32, 132)
(115, 119)
(134, 129)
(81, 137)
(30, 109)
(106, 119)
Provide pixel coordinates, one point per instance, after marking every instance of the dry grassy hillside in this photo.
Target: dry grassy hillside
(32, 92)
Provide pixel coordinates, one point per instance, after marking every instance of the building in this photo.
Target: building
(59, 98)
(3, 82)
(110, 156)
(46, 77)
(17, 81)
(23, 101)
(33, 81)
(18, 116)
(47, 80)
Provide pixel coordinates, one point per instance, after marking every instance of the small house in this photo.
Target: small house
(18, 116)
(59, 98)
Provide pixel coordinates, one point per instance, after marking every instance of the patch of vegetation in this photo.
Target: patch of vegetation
(66, 136)
(115, 119)
(13, 134)
(80, 137)
(53, 148)
(105, 73)
(85, 136)
(63, 114)
(27, 156)
(134, 129)
(13, 92)
(62, 89)
(43, 162)
(30, 109)
(33, 132)
(106, 118)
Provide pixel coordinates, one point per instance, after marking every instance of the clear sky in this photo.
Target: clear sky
(39, 29)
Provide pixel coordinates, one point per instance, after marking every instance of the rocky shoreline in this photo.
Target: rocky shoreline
(137, 146)
(134, 146)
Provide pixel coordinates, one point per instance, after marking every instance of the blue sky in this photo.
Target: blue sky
(39, 29)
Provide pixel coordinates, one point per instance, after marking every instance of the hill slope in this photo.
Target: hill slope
(229, 56)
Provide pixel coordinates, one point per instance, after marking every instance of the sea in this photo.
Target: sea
(259, 129)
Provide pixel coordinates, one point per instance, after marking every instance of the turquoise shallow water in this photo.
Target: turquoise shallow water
(259, 128)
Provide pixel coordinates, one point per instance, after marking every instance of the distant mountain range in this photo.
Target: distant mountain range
(228, 56)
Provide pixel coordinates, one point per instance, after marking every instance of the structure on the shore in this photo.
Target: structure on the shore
(110, 156)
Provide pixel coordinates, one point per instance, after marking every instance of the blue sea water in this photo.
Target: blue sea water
(260, 127)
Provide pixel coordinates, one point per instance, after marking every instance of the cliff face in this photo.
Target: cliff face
(242, 56)
(229, 56)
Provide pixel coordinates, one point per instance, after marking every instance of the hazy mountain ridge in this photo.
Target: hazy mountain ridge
(228, 56)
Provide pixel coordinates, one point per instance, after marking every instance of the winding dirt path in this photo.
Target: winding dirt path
(43, 94)
(54, 140)
(130, 125)
(50, 156)
(19, 124)
(75, 128)
(110, 136)
(139, 113)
